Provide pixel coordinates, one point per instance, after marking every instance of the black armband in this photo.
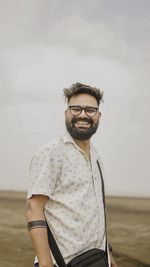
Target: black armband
(36, 224)
(110, 247)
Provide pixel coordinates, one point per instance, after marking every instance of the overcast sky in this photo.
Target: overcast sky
(46, 46)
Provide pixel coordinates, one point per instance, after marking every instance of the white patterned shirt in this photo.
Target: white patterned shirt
(74, 211)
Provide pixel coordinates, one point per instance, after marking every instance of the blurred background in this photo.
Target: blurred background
(48, 45)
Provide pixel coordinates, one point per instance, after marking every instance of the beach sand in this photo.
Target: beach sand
(128, 221)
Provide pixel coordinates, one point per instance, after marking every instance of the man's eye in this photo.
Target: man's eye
(75, 109)
(90, 110)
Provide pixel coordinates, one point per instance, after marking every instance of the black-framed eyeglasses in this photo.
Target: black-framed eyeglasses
(89, 111)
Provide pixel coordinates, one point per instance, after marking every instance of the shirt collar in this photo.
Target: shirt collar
(68, 139)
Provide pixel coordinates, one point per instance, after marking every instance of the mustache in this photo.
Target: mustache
(88, 120)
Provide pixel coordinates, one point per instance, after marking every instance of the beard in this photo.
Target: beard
(81, 133)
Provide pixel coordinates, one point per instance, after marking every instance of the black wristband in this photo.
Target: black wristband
(36, 224)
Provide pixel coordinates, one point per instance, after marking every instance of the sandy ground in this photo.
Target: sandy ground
(128, 230)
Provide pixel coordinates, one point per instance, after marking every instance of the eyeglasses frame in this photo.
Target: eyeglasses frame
(83, 108)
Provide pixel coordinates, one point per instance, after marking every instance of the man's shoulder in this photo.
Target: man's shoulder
(55, 142)
(96, 152)
(53, 146)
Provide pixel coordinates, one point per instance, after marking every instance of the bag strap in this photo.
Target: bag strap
(51, 240)
(104, 203)
(55, 249)
(102, 180)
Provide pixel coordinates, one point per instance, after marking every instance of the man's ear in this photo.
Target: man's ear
(65, 113)
(100, 114)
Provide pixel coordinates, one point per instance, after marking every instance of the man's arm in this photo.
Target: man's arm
(39, 239)
(112, 261)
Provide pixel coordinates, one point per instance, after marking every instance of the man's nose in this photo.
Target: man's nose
(82, 114)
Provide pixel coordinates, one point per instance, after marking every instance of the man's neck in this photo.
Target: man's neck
(84, 145)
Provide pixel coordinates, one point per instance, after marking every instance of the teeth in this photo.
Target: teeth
(82, 122)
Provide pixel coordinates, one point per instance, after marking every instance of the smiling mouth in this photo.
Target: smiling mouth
(82, 124)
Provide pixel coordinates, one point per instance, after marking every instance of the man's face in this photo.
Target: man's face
(82, 126)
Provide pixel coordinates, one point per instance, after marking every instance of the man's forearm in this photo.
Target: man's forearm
(37, 229)
(40, 244)
(113, 263)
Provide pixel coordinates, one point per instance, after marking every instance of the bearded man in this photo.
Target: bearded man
(65, 185)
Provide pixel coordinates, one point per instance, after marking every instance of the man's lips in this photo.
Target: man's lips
(82, 124)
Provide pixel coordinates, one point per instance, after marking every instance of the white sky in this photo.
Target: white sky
(47, 45)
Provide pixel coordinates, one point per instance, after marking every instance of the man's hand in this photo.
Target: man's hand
(112, 261)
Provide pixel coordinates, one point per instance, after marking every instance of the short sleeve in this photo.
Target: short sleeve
(43, 172)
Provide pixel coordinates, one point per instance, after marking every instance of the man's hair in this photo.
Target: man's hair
(80, 88)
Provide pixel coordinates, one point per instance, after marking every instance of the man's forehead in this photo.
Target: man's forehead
(83, 98)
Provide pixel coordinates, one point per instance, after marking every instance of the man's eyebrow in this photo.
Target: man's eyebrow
(82, 106)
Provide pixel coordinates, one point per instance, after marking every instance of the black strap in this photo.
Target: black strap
(55, 249)
(52, 243)
(104, 203)
(103, 188)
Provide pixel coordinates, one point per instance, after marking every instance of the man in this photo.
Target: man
(65, 185)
